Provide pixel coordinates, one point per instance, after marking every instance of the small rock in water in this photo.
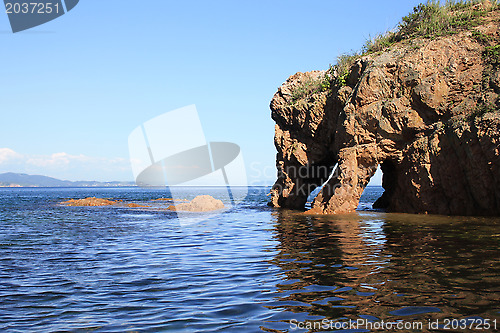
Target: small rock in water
(202, 203)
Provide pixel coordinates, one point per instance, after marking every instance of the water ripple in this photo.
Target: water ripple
(250, 269)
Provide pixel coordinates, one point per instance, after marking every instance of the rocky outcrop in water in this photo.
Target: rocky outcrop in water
(99, 202)
(427, 111)
(89, 202)
(201, 203)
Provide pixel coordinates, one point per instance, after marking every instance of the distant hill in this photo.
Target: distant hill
(11, 179)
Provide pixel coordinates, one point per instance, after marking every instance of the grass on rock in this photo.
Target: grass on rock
(427, 20)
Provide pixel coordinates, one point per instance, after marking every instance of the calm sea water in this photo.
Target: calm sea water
(250, 269)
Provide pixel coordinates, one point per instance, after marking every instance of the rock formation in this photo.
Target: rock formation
(427, 111)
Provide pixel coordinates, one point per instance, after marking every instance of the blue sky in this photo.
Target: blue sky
(73, 89)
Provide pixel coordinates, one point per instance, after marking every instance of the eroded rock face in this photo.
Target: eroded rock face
(428, 114)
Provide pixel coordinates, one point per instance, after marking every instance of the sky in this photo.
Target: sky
(72, 90)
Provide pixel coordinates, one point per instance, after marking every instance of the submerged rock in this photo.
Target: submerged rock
(134, 205)
(201, 203)
(427, 112)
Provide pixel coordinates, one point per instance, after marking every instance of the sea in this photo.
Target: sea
(251, 268)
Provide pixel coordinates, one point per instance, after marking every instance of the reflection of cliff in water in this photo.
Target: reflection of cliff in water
(388, 266)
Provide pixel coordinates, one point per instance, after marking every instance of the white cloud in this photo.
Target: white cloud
(7, 154)
(66, 166)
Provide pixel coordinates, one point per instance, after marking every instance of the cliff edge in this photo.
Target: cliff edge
(426, 109)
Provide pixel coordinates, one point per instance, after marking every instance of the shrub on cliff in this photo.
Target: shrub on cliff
(313, 85)
(492, 55)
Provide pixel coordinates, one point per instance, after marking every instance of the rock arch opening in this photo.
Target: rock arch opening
(389, 182)
(313, 194)
(371, 192)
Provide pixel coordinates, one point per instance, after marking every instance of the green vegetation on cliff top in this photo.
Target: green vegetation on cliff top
(429, 20)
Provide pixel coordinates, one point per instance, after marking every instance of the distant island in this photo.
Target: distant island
(11, 179)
